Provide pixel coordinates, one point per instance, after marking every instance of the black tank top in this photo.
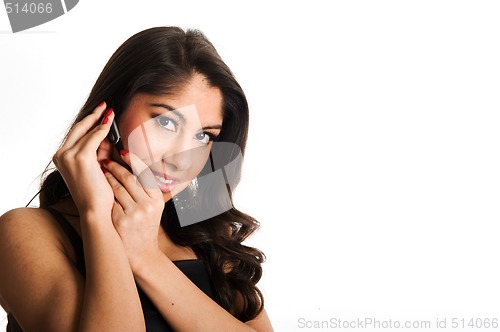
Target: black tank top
(194, 269)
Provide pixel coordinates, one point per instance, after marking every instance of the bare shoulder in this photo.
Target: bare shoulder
(28, 234)
(24, 216)
(36, 272)
(33, 225)
(261, 323)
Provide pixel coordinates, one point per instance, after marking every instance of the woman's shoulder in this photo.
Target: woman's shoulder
(35, 267)
(32, 234)
(19, 218)
(24, 212)
(30, 227)
(25, 220)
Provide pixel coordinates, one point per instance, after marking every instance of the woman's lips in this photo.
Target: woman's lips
(165, 183)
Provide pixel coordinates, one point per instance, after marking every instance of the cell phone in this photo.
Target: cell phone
(114, 136)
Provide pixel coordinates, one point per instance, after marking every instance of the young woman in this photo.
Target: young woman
(110, 249)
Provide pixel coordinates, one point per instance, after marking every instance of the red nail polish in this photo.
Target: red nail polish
(108, 113)
(123, 152)
(106, 161)
(105, 120)
(101, 104)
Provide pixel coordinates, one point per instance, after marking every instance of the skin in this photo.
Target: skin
(180, 150)
(119, 226)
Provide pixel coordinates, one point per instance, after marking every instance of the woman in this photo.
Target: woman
(108, 249)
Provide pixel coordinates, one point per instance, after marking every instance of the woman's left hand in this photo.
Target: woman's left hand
(138, 207)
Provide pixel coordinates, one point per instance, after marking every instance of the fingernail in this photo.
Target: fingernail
(101, 104)
(123, 152)
(106, 116)
(106, 161)
(108, 113)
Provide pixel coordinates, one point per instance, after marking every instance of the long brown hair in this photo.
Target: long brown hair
(159, 61)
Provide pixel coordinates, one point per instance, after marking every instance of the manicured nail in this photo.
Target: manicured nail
(101, 104)
(108, 113)
(106, 116)
(123, 152)
(106, 161)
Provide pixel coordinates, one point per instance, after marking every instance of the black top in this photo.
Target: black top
(194, 269)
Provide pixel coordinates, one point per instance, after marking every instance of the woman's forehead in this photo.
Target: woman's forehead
(194, 101)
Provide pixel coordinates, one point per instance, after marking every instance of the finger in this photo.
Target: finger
(91, 141)
(127, 180)
(83, 127)
(122, 195)
(145, 176)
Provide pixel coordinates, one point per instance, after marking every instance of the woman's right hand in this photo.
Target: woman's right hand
(78, 161)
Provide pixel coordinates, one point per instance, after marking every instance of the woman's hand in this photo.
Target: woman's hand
(78, 162)
(138, 207)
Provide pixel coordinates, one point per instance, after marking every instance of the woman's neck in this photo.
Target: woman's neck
(67, 207)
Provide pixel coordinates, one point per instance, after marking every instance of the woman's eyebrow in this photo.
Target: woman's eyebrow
(171, 109)
(218, 126)
(181, 116)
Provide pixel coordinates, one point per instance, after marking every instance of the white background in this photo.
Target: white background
(373, 157)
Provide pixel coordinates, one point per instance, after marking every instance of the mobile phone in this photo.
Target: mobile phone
(114, 136)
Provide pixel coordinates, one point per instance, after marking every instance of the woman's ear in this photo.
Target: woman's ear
(105, 150)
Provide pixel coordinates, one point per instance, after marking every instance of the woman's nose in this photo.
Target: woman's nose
(180, 158)
(187, 155)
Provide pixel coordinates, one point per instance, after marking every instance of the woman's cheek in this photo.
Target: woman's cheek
(136, 143)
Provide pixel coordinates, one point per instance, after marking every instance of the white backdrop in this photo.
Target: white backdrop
(373, 157)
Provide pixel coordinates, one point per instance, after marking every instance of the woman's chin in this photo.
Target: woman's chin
(167, 197)
(168, 194)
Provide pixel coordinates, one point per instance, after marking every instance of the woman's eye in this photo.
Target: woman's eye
(203, 138)
(166, 123)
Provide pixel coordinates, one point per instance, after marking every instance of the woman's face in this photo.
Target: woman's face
(173, 134)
